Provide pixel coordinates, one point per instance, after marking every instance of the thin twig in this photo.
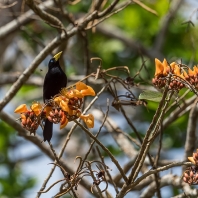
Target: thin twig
(109, 175)
(105, 149)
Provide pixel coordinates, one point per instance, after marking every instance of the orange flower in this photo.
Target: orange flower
(64, 106)
(195, 68)
(80, 86)
(85, 89)
(47, 110)
(191, 72)
(166, 67)
(21, 109)
(176, 70)
(64, 124)
(191, 159)
(77, 113)
(173, 64)
(88, 119)
(88, 92)
(81, 90)
(182, 76)
(159, 67)
(71, 93)
(63, 121)
(36, 108)
(59, 99)
(185, 74)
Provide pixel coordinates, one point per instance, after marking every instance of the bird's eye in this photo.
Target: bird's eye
(51, 63)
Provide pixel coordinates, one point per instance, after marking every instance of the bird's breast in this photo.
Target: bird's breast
(55, 80)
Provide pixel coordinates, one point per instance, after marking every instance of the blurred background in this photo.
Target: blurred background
(130, 38)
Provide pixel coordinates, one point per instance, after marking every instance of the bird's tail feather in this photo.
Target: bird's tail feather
(47, 132)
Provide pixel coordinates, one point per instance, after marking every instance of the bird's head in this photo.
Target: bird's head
(54, 62)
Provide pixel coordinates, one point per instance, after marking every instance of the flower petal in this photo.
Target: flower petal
(159, 68)
(88, 119)
(185, 74)
(173, 64)
(36, 108)
(21, 109)
(88, 92)
(80, 86)
(191, 159)
(63, 124)
(182, 76)
(166, 67)
(77, 93)
(58, 100)
(191, 72)
(63, 121)
(47, 110)
(195, 68)
(177, 71)
(64, 105)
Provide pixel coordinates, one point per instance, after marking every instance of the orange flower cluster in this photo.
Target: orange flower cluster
(30, 119)
(178, 75)
(63, 108)
(190, 175)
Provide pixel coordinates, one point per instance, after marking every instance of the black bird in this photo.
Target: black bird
(55, 80)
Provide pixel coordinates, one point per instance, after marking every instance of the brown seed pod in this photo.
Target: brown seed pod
(60, 113)
(185, 179)
(56, 112)
(31, 115)
(23, 121)
(181, 85)
(54, 120)
(167, 69)
(49, 118)
(33, 126)
(153, 80)
(191, 174)
(51, 114)
(186, 175)
(63, 119)
(192, 81)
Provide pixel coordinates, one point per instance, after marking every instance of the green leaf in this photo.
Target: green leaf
(151, 95)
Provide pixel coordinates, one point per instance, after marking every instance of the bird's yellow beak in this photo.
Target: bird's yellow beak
(57, 56)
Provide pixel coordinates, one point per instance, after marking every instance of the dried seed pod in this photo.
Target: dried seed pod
(31, 115)
(181, 85)
(191, 173)
(54, 120)
(49, 118)
(56, 112)
(33, 126)
(23, 121)
(51, 113)
(60, 113)
(63, 119)
(186, 175)
(192, 80)
(29, 122)
(185, 179)
(167, 69)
